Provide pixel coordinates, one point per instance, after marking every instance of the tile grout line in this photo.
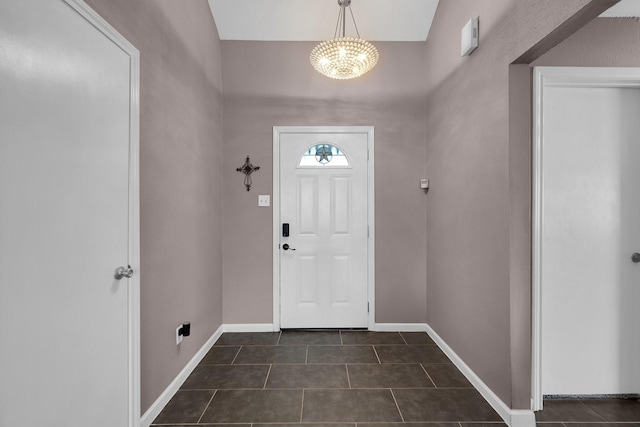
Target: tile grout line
(346, 367)
(306, 356)
(279, 336)
(267, 378)
(376, 353)
(428, 376)
(594, 411)
(341, 341)
(236, 356)
(302, 405)
(397, 407)
(207, 407)
(402, 336)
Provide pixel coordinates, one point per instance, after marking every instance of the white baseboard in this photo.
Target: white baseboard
(522, 418)
(513, 417)
(248, 327)
(400, 327)
(171, 390)
(378, 327)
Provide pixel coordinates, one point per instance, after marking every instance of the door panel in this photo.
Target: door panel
(590, 211)
(308, 284)
(308, 205)
(340, 206)
(324, 280)
(64, 219)
(340, 273)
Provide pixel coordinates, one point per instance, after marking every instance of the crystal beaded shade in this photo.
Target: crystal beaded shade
(344, 57)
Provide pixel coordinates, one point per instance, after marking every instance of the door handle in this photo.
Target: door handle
(286, 247)
(635, 257)
(123, 272)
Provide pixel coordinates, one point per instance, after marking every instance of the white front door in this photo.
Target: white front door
(324, 205)
(590, 229)
(67, 218)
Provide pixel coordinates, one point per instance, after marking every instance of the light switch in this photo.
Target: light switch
(264, 200)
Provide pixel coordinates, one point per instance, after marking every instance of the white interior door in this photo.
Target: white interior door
(323, 199)
(590, 212)
(67, 218)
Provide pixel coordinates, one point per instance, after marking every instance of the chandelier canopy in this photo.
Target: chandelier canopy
(344, 57)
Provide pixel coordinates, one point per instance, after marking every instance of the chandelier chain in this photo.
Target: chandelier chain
(341, 22)
(354, 22)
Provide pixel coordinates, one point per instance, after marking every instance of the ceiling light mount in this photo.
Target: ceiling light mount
(344, 57)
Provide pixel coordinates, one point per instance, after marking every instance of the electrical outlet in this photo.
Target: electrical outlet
(264, 200)
(178, 336)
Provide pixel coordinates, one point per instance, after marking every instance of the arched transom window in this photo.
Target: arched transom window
(324, 155)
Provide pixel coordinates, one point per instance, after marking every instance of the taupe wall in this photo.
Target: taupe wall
(180, 178)
(478, 207)
(270, 84)
(475, 208)
(604, 42)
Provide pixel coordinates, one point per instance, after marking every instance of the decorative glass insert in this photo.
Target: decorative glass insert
(324, 155)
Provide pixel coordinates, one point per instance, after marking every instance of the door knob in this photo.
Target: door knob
(635, 257)
(123, 272)
(286, 247)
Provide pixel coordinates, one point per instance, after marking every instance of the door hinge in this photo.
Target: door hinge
(367, 306)
(367, 231)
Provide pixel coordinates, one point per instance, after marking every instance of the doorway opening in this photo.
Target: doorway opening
(585, 282)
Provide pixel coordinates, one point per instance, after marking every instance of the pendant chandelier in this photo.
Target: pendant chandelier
(344, 57)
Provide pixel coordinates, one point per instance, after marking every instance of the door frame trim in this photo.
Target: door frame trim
(369, 130)
(594, 77)
(133, 256)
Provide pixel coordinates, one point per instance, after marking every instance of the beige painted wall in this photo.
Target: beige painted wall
(478, 209)
(180, 178)
(270, 84)
(469, 210)
(604, 42)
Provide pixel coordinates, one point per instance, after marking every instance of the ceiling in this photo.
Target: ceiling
(315, 20)
(626, 8)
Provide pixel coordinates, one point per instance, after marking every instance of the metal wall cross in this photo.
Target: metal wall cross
(247, 169)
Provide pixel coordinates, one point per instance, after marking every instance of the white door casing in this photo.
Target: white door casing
(327, 282)
(68, 217)
(586, 210)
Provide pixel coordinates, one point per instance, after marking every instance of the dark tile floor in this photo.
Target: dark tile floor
(348, 379)
(590, 412)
